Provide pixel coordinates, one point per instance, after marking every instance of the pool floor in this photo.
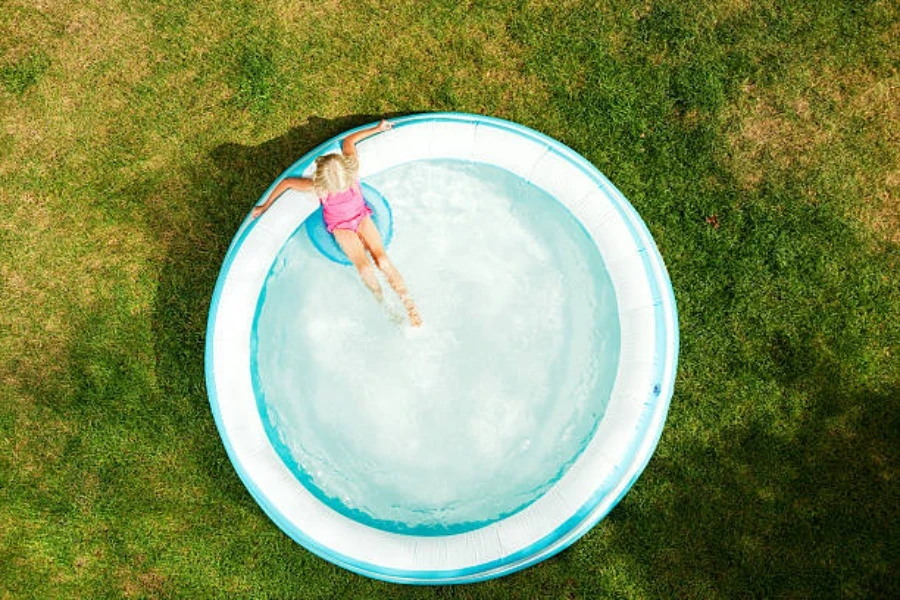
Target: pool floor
(471, 417)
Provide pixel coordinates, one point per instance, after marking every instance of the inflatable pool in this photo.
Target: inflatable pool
(504, 429)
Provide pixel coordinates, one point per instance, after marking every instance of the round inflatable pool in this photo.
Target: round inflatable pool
(508, 425)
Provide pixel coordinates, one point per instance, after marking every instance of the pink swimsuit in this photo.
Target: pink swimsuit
(345, 210)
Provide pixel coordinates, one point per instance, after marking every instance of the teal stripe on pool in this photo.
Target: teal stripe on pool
(585, 488)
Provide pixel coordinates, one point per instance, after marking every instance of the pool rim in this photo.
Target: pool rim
(582, 520)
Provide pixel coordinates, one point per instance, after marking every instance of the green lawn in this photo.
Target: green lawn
(760, 141)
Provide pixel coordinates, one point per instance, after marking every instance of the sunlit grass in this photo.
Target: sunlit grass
(759, 141)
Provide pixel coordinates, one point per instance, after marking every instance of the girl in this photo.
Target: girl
(336, 183)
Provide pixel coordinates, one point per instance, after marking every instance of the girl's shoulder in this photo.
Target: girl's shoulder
(351, 163)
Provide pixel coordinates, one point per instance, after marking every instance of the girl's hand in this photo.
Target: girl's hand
(257, 210)
(385, 125)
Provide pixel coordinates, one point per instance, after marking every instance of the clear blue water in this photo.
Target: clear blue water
(474, 415)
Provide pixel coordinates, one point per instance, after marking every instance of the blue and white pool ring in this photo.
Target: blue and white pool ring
(623, 441)
(325, 242)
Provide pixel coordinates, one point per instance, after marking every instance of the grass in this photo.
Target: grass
(758, 140)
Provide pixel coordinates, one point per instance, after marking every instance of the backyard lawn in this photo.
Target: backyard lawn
(759, 141)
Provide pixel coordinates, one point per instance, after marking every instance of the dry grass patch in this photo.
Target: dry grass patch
(147, 584)
(771, 132)
(96, 52)
(878, 105)
(288, 11)
(58, 268)
(881, 213)
(23, 29)
(408, 55)
(724, 10)
(57, 257)
(114, 95)
(818, 122)
(79, 35)
(37, 442)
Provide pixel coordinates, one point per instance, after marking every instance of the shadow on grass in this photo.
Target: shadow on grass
(782, 505)
(222, 192)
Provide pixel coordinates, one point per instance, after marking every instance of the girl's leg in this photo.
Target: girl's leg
(353, 248)
(369, 235)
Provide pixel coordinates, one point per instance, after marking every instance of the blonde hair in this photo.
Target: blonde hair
(334, 173)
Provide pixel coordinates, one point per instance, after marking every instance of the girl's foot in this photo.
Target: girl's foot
(414, 317)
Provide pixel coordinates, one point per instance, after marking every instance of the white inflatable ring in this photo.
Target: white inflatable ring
(610, 463)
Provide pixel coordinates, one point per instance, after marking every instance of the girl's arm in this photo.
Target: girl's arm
(348, 147)
(301, 184)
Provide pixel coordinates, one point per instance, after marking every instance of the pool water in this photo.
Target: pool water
(470, 418)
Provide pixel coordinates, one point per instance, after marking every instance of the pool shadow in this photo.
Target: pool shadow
(252, 168)
(196, 227)
(769, 508)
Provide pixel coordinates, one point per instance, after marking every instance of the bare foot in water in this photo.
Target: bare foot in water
(414, 317)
